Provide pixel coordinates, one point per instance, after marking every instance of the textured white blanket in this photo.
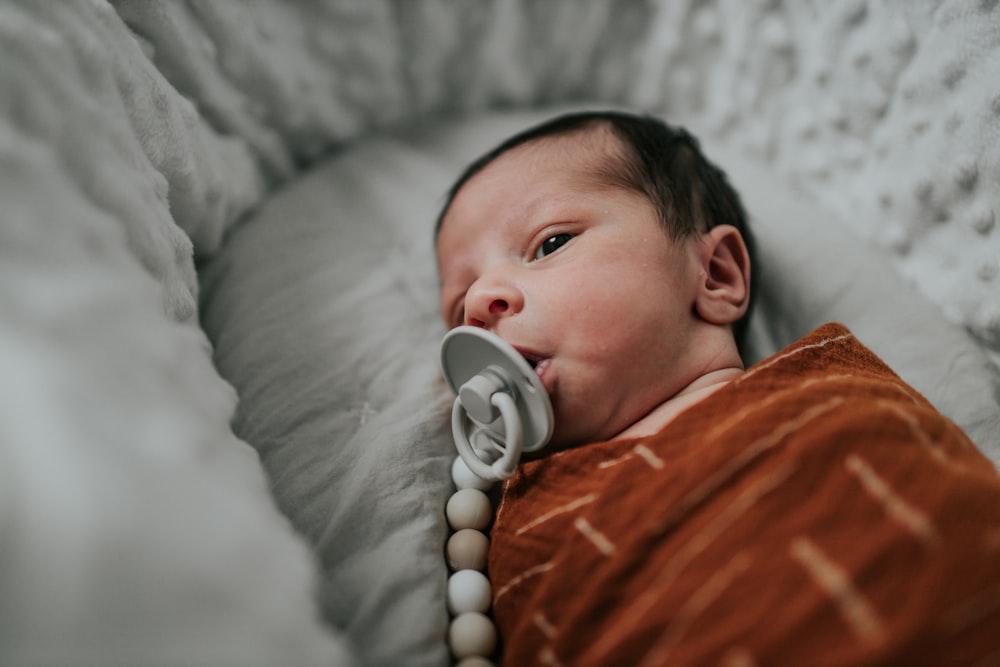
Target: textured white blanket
(134, 135)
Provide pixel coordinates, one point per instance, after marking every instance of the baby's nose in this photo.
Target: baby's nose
(496, 307)
(485, 304)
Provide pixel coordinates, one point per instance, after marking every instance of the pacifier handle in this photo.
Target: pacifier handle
(504, 466)
(499, 397)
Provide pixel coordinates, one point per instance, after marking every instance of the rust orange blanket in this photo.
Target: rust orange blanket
(817, 511)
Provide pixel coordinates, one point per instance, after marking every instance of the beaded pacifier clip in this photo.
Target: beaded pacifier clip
(500, 411)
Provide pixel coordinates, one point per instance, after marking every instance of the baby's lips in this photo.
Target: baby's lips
(541, 367)
(533, 358)
(538, 361)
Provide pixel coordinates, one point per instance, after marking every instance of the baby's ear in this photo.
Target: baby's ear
(724, 294)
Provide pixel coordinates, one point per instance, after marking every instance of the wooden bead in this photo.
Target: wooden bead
(471, 634)
(467, 549)
(469, 508)
(465, 478)
(475, 661)
(469, 590)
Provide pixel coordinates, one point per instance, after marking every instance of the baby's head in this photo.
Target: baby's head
(609, 252)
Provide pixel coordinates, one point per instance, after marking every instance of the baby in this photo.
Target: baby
(812, 509)
(614, 257)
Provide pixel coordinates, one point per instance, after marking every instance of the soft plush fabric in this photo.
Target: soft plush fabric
(135, 527)
(815, 511)
(322, 309)
(135, 134)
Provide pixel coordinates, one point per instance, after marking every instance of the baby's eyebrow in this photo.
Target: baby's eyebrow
(544, 204)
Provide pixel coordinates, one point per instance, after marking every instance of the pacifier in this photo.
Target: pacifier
(501, 408)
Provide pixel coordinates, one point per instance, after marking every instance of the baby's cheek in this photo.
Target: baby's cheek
(584, 406)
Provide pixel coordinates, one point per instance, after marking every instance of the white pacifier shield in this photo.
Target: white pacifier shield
(468, 351)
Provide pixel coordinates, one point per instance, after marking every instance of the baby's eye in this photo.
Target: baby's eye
(551, 244)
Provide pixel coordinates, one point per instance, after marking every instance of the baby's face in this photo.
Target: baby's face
(579, 277)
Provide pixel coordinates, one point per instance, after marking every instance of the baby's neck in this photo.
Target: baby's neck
(663, 414)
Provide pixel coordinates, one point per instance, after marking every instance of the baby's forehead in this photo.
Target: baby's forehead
(552, 167)
(597, 142)
(595, 154)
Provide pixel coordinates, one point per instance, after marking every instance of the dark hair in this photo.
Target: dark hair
(661, 162)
